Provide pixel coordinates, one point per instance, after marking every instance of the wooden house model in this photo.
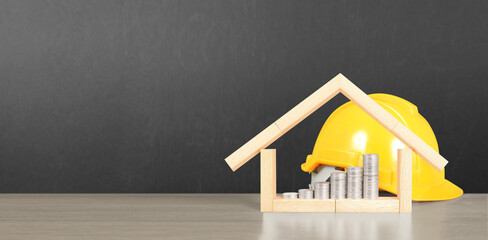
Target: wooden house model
(339, 84)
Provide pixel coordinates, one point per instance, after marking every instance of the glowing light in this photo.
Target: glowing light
(359, 141)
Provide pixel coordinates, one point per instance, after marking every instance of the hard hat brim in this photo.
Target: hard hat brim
(444, 191)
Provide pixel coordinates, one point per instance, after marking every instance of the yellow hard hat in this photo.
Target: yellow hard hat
(349, 132)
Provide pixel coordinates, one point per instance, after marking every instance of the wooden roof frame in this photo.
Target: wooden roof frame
(339, 84)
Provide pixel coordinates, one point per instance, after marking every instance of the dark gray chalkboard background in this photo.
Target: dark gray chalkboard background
(151, 96)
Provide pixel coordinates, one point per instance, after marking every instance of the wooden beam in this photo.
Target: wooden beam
(303, 205)
(420, 147)
(367, 104)
(309, 105)
(283, 124)
(382, 204)
(404, 179)
(268, 179)
(253, 147)
(389, 122)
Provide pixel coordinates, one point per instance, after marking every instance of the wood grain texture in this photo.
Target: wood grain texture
(382, 204)
(283, 124)
(253, 147)
(367, 104)
(404, 179)
(309, 105)
(374, 110)
(303, 205)
(268, 179)
(420, 147)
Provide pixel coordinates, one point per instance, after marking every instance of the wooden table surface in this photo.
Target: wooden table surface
(225, 216)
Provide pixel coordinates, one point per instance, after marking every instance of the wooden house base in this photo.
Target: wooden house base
(271, 203)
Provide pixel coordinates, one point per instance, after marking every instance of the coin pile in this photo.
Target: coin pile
(370, 178)
(290, 195)
(321, 190)
(305, 193)
(354, 182)
(338, 185)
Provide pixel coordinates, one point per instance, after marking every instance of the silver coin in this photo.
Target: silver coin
(370, 187)
(353, 175)
(337, 175)
(338, 185)
(321, 190)
(370, 157)
(354, 182)
(290, 195)
(370, 164)
(305, 193)
(321, 185)
(354, 169)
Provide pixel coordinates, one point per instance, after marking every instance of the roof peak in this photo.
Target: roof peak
(338, 84)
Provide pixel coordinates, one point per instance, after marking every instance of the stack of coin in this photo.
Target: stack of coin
(321, 190)
(354, 182)
(290, 195)
(370, 178)
(305, 193)
(338, 185)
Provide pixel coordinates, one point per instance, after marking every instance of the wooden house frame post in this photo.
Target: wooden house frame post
(404, 179)
(268, 179)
